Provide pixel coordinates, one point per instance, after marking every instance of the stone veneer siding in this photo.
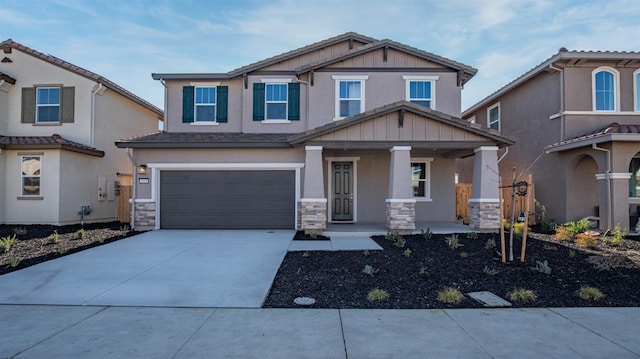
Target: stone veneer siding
(401, 216)
(145, 214)
(484, 215)
(312, 215)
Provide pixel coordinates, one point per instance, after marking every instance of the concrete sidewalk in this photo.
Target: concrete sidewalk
(29, 331)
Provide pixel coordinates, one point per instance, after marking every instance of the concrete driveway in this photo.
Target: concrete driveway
(164, 268)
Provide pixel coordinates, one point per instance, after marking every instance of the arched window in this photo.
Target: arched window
(636, 90)
(605, 89)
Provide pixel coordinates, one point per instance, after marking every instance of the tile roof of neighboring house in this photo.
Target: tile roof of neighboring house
(601, 135)
(371, 44)
(562, 54)
(82, 72)
(54, 141)
(7, 78)
(205, 140)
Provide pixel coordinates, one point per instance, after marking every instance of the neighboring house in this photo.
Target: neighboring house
(576, 120)
(346, 130)
(58, 123)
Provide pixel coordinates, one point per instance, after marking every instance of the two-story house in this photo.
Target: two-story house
(576, 120)
(58, 123)
(347, 130)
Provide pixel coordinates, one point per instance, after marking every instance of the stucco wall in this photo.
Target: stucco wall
(579, 87)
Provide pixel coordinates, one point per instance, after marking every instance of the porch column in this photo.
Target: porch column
(614, 200)
(312, 208)
(401, 206)
(484, 205)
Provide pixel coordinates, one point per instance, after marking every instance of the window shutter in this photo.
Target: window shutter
(187, 104)
(222, 103)
(28, 105)
(258, 101)
(67, 104)
(294, 101)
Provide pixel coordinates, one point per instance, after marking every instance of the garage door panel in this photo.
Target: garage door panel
(227, 199)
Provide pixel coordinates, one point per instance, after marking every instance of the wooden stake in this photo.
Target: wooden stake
(503, 249)
(526, 222)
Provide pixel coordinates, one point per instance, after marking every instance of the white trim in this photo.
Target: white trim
(195, 105)
(143, 200)
(400, 200)
(330, 161)
(432, 83)
(421, 77)
(321, 200)
(472, 119)
(275, 121)
(400, 148)
(486, 148)
(593, 113)
(204, 84)
(268, 81)
(484, 200)
(313, 148)
(636, 91)
(350, 77)
(616, 88)
(339, 78)
(427, 188)
(614, 175)
(497, 104)
(204, 123)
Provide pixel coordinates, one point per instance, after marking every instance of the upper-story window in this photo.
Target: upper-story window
(421, 90)
(30, 175)
(493, 117)
(205, 104)
(47, 104)
(605, 89)
(276, 101)
(349, 95)
(636, 90)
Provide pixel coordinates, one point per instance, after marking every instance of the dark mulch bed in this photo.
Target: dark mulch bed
(336, 280)
(34, 245)
(302, 236)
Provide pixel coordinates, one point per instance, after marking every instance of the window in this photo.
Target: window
(493, 117)
(205, 105)
(349, 95)
(636, 90)
(30, 175)
(420, 178)
(634, 181)
(47, 104)
(276, 101)
(420, 90)
(605, 89)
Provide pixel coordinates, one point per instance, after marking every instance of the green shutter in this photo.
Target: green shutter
(258, 101)
(294, 101)
(67, 104)
(28, 105)
(187, 104)
(222, 103)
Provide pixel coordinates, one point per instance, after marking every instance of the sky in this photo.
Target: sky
(127, 40)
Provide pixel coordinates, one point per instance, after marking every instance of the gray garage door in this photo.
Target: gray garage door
(227, 199)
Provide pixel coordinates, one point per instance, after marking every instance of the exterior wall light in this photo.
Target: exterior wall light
(142, 169)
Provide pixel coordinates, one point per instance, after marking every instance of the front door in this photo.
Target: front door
(342, 197)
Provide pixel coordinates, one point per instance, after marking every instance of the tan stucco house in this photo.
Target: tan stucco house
(58, 123)
(347, 130)
(576, 120)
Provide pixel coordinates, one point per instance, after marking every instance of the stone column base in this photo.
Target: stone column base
(312, 213)
(401, 215)
(145, 215)
(484, 215)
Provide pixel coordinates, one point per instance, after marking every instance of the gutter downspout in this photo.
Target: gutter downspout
(164, 113)
(608, 177)
(93, 113)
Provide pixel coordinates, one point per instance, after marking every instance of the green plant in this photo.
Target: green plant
(453, 242)
(587, 239)
(407, 252)
(542, 267)
(426, 234)
(518, 229)
(572, 253)
(62, 249)
(400, 242)
(464, 254)
(522, 295)
(19, 231)
(306, 254)
(377, 295)
(366, 253)
(369, 270)
(80, 233)
(450, 296)
(100, 239)
(472, 235)
(490, 271)
(7, 242)
(423, 271)
(53, 238)
(392, 235)
(589, 293)
(490, 244)
(124, 229)
(602, 266)
(14, 261)
(563, 233)
(617, 235)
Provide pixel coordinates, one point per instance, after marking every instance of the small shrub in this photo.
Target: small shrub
(450, 296)
(377, 295)
(522, 295)
(306, 254)
(572, 253)
(464, 254)
(589, 293)
(19, 231)
(490, 244)
(616, 237)
(392, 235)
(124, 229)
(423, 271)
(426, 234)
(453, 242)
(400, 242)
(80, 233)
(407, 252)
(548, 247)
(542, 267)
(577, 227)
(563, 234)
(100, 239)
(587, 239)
(369, 270)
(53, 238)
(518, 229)
(7, 242)
(490, 271)
(366, 253)
(472, 235)
(14, 261)
(62, 249)
(602, 266)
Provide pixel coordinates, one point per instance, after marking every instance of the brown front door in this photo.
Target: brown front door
(342, 197)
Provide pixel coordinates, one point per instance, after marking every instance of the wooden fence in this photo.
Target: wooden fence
(124, 207)
(463, 193)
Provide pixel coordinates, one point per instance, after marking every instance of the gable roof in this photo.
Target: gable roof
(371, 44)
(54, 141)
(612, 132)
(563, 54)
(10, 44)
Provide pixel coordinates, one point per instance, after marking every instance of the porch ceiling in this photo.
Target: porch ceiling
(446, 149)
